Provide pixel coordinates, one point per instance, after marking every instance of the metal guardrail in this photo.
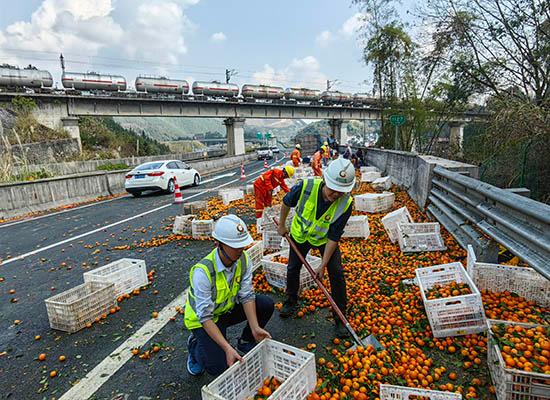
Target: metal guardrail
(474, 211)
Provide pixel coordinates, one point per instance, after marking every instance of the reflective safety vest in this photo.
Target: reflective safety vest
(305, 225)
(224, 295)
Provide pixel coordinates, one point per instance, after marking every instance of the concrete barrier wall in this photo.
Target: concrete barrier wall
(23, 197)
(77, 167)
(414, 171)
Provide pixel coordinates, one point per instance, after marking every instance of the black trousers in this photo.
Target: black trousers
(210, 355)
(335, 274)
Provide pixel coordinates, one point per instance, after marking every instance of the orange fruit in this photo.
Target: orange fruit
(41, 356)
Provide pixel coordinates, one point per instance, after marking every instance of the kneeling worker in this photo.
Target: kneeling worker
(323, 208)
(266, 182)
(220, 296)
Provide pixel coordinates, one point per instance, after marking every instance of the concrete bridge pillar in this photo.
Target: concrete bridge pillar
(456, 138)
(235, 136)
(55, 115)
(339, 130)
(70, 125)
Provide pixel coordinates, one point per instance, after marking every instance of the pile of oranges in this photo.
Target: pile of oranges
(452, 289)
(280, 259)
(268, 387)
(523, 347)
(511, 307)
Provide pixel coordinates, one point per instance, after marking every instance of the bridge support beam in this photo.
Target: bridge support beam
(339, 130)
(235, 136)
(55, 115)
(456, 138)
(70, 125)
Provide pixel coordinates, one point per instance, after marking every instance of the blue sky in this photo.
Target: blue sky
(299, 42)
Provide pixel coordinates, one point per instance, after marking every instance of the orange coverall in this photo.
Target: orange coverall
(263, 187)
(316, 164)
(295, 157)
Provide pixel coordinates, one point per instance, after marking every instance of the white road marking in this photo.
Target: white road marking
(94, 379)
(41, 249)
(218, 177)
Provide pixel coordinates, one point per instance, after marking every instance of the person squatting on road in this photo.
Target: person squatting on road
(266, 182)
(323, 207)
(220, 296)
(316, 165)
(296, 156)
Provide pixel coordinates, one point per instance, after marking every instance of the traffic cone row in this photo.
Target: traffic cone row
(243, 176)
(178, 198)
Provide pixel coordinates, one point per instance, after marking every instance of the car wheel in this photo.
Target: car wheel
(136, 194)
(196, 180)
(171, 187)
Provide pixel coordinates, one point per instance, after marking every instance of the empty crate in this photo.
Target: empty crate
(415, 237)
(229, 195)
(295, 368)
(183, 224)
(374, 202)
(383, 183)
(370, 176)
(271, 239)
(357, 226)
(194, 207)
(202, 228)
(393, 392)
(126, 274)
(255, 254)
(391, 220)
(369, 169)
(275, 271)
(455, 315)
(71, 310)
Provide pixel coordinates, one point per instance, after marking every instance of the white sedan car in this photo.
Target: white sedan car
(160, 175)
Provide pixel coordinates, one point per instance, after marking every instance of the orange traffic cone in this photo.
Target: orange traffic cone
(178, 198)
(243, 176)
(265, 163)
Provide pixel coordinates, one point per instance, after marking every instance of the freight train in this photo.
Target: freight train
(91, 83)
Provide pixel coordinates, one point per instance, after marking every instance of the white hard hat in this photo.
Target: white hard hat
(340, 175)
(232, 231)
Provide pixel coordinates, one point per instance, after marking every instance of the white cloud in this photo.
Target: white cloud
(301, 72)
(352, 24)
(218, 37)
(324, 38)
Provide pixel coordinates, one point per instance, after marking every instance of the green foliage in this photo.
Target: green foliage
(31, 176)
(23, 105)
(112, 167)
(104, 138)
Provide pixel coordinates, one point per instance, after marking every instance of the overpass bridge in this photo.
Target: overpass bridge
(62, 111)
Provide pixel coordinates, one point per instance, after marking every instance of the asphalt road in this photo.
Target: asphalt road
(58, 249)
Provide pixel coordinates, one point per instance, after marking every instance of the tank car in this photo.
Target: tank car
(27, 77)
(93, 81)
(336, 97)
(302, 94)
(215, 89)
(362, 98)
(263, 92)
(161, 85)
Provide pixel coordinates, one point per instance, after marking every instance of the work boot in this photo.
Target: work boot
(289, 308)
(245, 346)
(194, 367)
(340, 330)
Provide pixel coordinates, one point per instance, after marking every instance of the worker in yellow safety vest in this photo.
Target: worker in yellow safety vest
(323, 207)
(221, 295)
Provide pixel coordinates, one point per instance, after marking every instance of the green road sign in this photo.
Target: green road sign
(397, 120)
(268, 135)
(259, 135)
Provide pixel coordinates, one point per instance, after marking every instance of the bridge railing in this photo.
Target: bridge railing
(474, 211)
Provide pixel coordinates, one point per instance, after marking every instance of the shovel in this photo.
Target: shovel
(370, 340)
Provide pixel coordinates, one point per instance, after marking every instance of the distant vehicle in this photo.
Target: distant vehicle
(275, 150)
(264, 153)
(160, 175)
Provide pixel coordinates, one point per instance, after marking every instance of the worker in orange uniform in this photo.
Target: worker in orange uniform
(264, 185)
(316, 162)
(295, 156)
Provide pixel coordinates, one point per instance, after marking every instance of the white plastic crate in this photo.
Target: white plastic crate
(229, 195)
(374, 202)
(456, 315)
(250, 189)
(275, 272)
(357, 226)
(511, 383)
(370, 176)
(182, 224)
(383, 183)
(194, 207)
(391, 220)
(393, 392)
(369, 169)
(523, 281)
(255, 254)
(294, 367)
(71, 310)
(202, 228)
(274, 212)
(271, 239)
(415, 237)
(126, 274)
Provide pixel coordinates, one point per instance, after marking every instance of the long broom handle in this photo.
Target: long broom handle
(322, 287)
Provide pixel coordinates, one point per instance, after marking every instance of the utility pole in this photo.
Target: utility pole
(229, 73)
(331, 83)
(62, 60)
